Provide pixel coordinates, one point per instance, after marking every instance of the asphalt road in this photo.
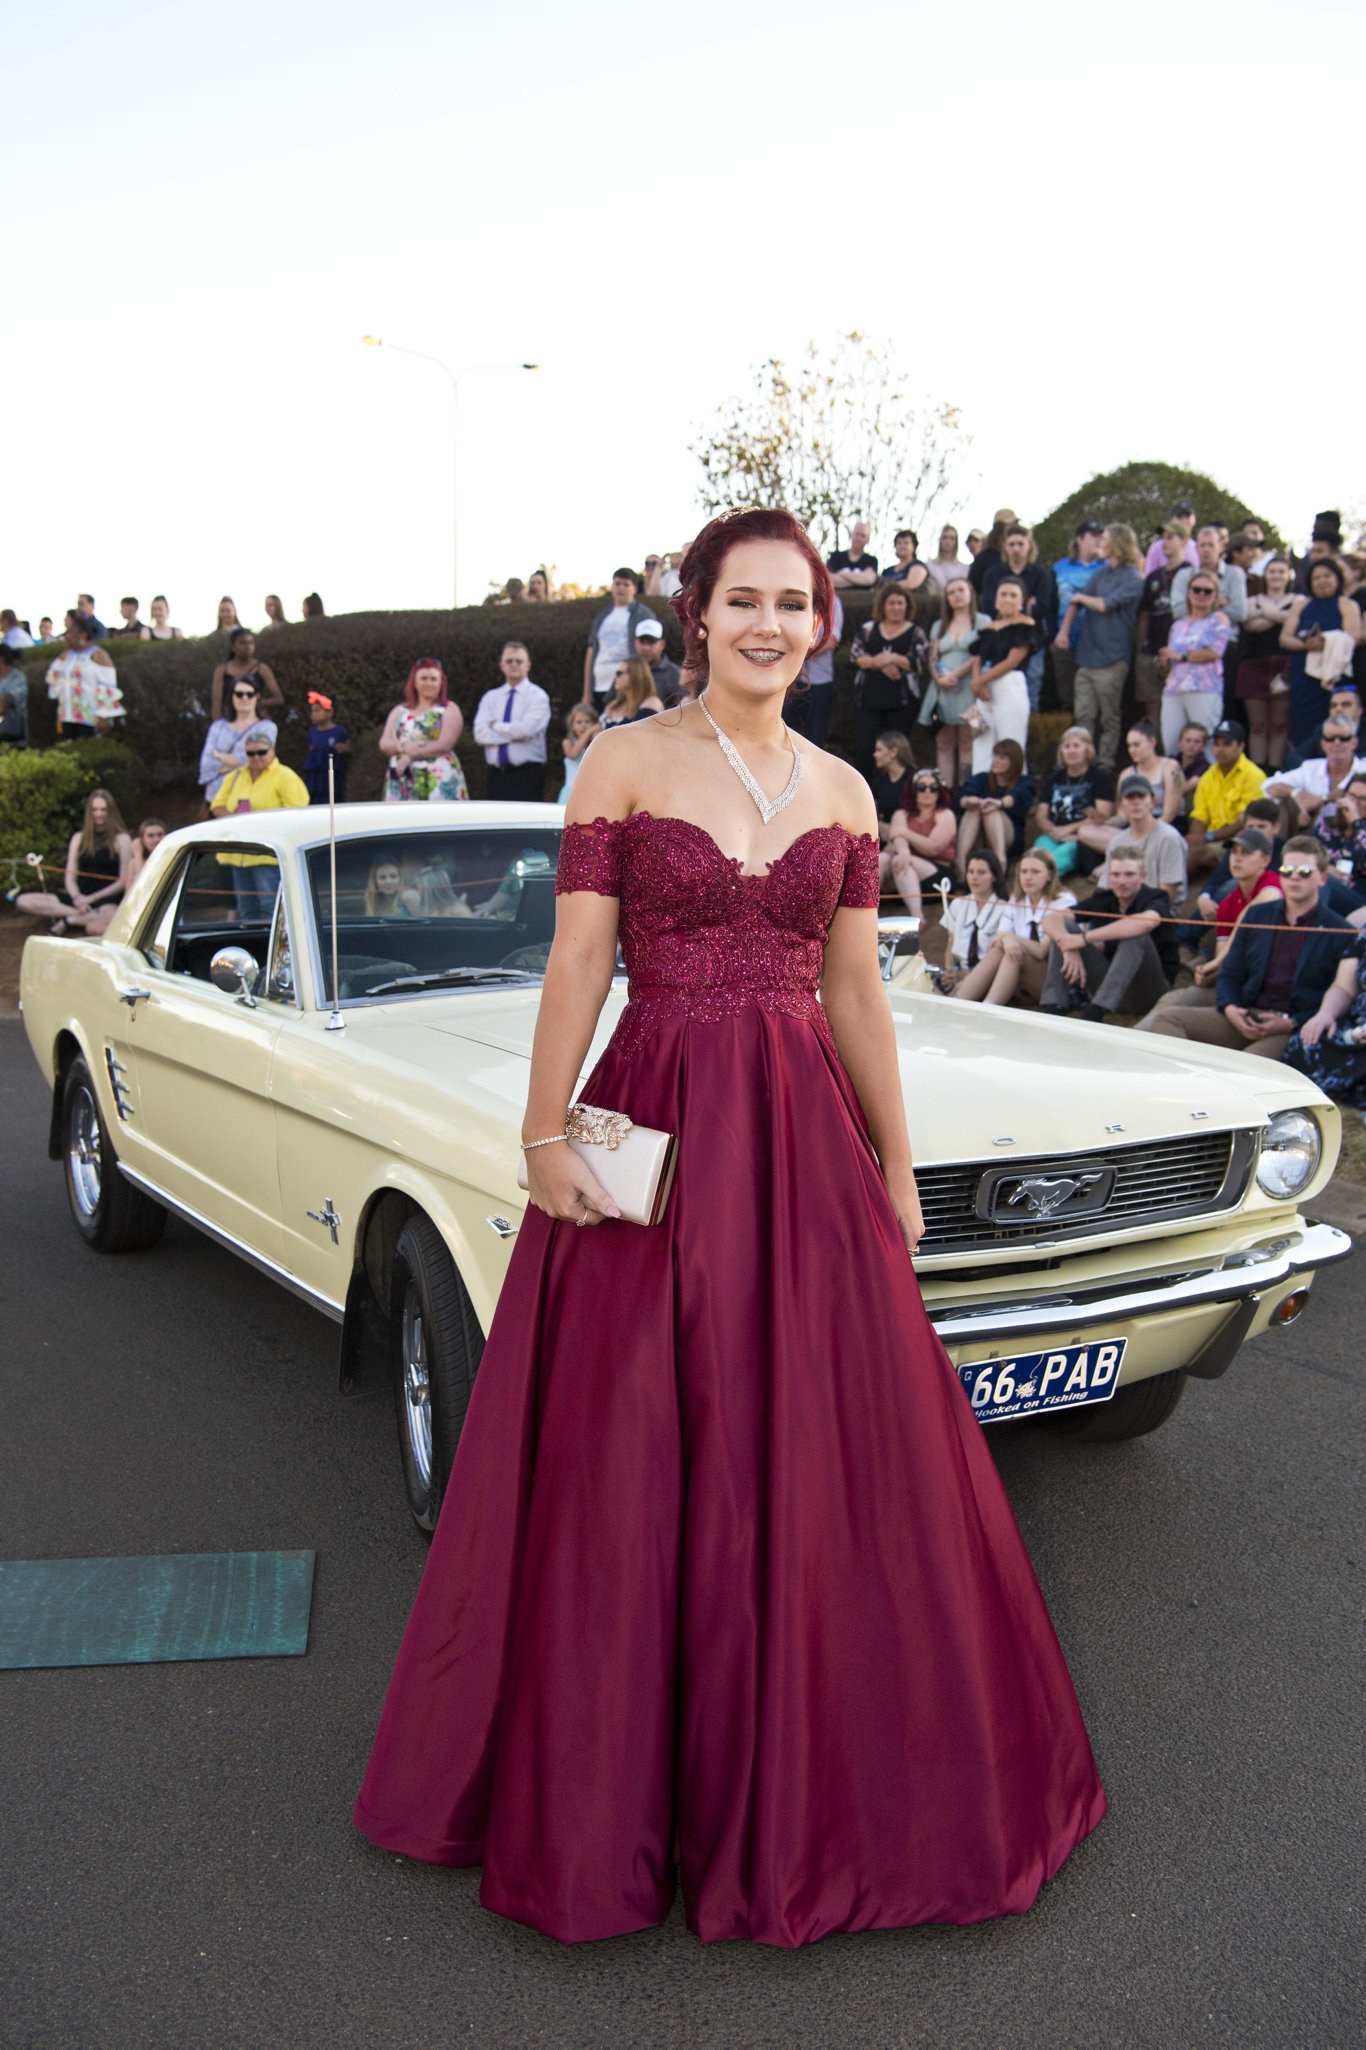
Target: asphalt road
(178, 1864)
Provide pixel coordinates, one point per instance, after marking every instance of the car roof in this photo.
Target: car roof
(307, 825)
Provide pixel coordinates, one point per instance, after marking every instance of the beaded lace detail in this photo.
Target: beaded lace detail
(702, 938)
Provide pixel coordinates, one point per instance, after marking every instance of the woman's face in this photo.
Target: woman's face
(158, 612)
(536, 588)
(227, 613)
(427, 684)
(948, 544)
(1033, 876)
(980, 879)
(1002, 769)
(99, 813)
(621, 677)
(1007, 599)
(388, 879)
(1138, 745)
(1074, 753)
(926, 793)
(152, 836)
(1200, 596)
(894, 611)
(1322, 582)
(1278, 579)
(760, 620)
(244, 701)
(245, 648)
(905, 548)
(884, 757)
(958, 592)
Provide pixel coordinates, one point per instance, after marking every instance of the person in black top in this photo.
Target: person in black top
(991, 555)
(1076, 792)
(133, 628)
(995, 806)
(853, 568)
(889, 653)
(1114, 952)
(895, 766)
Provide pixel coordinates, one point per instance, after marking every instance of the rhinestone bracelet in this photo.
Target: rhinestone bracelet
(530, 1145)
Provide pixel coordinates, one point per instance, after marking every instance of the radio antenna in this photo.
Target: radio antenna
(336, 1022)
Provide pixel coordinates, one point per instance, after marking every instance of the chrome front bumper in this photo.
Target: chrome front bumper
(1242, 1277)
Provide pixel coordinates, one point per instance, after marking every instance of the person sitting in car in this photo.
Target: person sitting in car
(1280, 962)
(1115, 952)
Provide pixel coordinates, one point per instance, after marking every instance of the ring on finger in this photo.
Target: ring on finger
(584, 1219)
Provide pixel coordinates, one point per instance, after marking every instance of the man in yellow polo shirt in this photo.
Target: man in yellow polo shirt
(1222, 797)
(265, 784)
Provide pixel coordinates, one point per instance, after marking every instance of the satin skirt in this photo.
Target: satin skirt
(726, 1588)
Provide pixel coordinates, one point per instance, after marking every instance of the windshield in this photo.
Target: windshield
(436, 910)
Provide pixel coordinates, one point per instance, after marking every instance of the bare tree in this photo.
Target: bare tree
(836, 437)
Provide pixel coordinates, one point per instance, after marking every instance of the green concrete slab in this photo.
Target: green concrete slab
(190, 1605)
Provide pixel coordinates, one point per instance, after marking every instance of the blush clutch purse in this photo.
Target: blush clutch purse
(634, 1163)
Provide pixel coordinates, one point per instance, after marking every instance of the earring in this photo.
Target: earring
(701, 633)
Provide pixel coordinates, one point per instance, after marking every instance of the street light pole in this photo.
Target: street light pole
(456, 378)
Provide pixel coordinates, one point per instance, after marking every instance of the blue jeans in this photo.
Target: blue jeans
(1034, 678)
(255, 890)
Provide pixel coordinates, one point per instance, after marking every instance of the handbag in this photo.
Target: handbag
(634, 1163)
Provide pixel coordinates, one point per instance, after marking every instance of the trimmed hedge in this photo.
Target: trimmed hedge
(42, 799)
(1143, 494)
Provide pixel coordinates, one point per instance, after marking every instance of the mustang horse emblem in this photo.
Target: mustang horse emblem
(1046, 1193)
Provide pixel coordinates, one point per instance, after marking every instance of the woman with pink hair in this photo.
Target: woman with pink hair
(420, 738)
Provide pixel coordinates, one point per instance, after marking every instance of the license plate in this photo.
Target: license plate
(1028, 1382)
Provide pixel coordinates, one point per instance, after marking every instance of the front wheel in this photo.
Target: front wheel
(435, 1346)
(1131, 1412)
(109, 1213)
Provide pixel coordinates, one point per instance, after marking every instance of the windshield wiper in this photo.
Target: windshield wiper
(450, 978)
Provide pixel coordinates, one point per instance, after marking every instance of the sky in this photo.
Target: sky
(1105, 234)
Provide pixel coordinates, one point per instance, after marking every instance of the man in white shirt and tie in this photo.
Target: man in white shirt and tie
(509, 724)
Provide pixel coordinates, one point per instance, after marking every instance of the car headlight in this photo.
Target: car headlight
(1291, 1149)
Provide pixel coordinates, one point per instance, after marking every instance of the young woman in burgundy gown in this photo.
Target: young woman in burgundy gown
(725, 1582)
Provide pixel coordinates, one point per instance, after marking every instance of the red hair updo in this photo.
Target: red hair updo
(702, 565)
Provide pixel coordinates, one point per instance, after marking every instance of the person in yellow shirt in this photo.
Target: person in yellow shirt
(1222, 797)
(265, 784)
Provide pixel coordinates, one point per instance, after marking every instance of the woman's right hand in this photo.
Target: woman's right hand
(564, 1186)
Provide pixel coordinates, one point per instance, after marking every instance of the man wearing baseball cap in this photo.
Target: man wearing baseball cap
(650, 647)
(1182, 515)
(1255, 881)
(327, 742)
(1219, 807)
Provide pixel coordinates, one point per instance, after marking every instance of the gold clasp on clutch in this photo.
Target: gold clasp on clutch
(593, 1127)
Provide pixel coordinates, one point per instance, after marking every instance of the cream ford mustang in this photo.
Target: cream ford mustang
(1106, 1212)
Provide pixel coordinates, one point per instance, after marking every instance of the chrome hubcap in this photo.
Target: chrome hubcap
(417, 1395)
(83, 1154)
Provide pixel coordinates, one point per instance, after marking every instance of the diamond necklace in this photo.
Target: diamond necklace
(769, 808)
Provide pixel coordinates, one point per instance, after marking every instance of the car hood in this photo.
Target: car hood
(974, 1078)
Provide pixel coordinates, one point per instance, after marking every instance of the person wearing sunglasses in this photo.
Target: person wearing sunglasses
(1192, 662)
(920, 841)
(225, 745)
(264, 783)
(1322, 779)
(1281, 961)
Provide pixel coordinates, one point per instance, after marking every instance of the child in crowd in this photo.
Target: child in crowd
(1018, 955)
(971, 923)
(580, 728)
(328, 741)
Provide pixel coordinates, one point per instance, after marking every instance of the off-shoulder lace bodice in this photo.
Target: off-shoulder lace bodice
(701, 936)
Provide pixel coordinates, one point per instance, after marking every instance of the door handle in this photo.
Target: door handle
(132, 997)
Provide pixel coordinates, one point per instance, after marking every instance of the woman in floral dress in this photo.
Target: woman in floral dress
(420, 738)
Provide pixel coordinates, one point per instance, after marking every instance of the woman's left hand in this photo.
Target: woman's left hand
(1316, 1028)
(906, 1203)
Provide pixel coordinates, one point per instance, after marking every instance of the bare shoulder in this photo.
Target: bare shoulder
(848, 800)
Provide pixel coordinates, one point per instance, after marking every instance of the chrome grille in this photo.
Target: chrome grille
(1166, 1178)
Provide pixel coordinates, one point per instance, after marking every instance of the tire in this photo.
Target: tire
(109, 1213)
(1130, 1413)
(435, 1345)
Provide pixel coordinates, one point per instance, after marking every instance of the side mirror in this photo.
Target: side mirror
(896, 937)
(235, 972)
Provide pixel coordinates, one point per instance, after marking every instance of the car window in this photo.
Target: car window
(421, 909)
(154, 936)
(226, 898)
